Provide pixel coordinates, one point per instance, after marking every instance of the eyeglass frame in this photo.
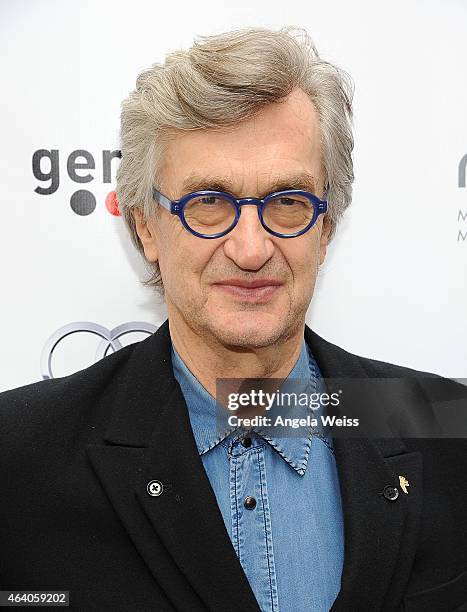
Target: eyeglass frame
(176, 207)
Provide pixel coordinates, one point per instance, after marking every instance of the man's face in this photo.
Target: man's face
(199, 275)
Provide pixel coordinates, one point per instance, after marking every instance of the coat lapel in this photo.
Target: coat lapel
(380, 535)
(149, 437)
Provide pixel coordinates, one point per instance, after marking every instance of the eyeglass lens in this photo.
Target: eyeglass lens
(214, 214)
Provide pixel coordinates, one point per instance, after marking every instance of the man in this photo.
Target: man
(117, 483)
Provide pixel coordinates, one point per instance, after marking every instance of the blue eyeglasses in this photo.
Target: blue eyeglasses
(212, 214)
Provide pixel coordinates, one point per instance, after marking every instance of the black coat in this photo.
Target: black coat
(76, 454)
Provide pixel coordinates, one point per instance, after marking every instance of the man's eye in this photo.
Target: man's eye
(208, 200)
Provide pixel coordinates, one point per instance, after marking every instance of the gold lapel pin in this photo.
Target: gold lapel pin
(404, 483)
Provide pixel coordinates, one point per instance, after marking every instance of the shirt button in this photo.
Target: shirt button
(246, 441)
(250, 502)
(391, 493)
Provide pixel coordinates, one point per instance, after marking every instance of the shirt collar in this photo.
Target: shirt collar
(202, 411)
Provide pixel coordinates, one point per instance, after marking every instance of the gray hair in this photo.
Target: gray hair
(218, 82)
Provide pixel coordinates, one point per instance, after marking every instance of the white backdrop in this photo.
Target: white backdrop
(394, 285)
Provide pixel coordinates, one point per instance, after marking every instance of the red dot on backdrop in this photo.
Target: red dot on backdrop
(111, 203)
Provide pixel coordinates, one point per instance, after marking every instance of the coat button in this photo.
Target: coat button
(250, 502)
(246, 441)
(391, 493)
(155, 488)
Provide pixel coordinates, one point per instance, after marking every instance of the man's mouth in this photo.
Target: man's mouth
(254, 291)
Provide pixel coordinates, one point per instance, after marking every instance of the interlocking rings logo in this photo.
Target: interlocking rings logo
(110, 339)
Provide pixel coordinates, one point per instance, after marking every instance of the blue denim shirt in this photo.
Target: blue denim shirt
(291, 543)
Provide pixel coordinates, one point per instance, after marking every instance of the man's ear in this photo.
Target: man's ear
(324, 238)
(147, 234)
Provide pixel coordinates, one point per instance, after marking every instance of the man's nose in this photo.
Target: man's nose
(249, 245)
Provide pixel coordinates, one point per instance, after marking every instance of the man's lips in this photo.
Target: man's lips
(234, 282)
(254, 291)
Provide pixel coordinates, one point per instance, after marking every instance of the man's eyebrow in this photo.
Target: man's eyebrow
(304, 181)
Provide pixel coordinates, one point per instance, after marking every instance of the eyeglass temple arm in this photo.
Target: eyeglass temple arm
(162, 199)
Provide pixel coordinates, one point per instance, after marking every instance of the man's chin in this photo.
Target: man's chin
(245, 330)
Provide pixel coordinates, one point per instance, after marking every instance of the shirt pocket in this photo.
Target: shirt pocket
(450, 596)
